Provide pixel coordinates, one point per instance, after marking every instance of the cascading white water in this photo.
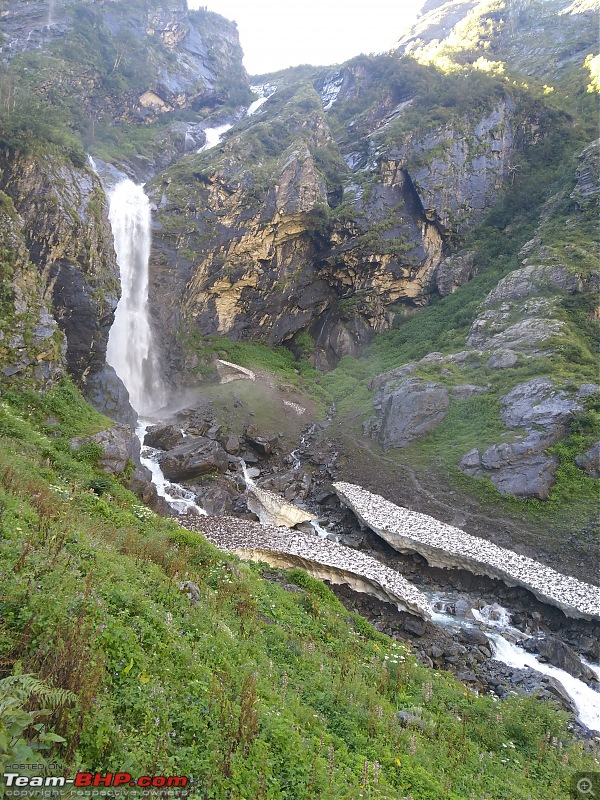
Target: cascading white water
(180, 499)
(214, 136)
(131, 350)
(50, 13)
(496, 622)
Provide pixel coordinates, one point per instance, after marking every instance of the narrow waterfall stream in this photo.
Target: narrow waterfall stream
(131, 350)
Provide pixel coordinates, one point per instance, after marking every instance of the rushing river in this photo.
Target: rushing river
(495, 622)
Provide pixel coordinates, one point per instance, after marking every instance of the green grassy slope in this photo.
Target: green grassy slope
(255, 691)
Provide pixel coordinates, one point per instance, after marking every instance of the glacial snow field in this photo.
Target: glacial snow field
(446, 546)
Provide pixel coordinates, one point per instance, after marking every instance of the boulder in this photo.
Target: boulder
(538, 403)
(217, 499)
(163, 437)
(589, 461)
(502, 359)
(232, 444)
(556, 652)
(410, 411)
(119, 444)
(522, 469)
(198, 456)
(263, 445)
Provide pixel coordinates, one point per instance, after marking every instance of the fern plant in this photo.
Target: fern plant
(16, 745)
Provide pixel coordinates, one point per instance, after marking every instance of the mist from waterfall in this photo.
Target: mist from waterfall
(131, 350)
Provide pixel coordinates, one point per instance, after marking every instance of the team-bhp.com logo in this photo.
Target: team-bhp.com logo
(91, 780)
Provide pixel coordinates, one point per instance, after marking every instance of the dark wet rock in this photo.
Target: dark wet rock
(217, 498)
(556, 652)
(473, 636)
(409, 411)
(263, 445)
(454, 271)
(140, 483)
(193, 458)
(163, 437)
(589, 461)
(107, 393)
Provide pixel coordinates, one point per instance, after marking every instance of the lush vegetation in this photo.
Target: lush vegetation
(254, 691)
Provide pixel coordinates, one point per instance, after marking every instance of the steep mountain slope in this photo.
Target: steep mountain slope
(419, 233)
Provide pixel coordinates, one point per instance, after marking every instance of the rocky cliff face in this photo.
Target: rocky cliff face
(307, 219)
(65, 278)
(135, 65)
(543, 38)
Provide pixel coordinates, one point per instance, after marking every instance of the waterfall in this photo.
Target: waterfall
(131, 350)
(50, 13)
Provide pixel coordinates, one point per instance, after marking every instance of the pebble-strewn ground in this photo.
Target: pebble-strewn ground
(243, 536)
(446, 546)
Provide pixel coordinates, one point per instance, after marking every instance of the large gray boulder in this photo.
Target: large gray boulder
(538, 403)
(196, 457)
(410, 411)
(589, 461)
(119, 446)
(522, 469)
(164, 437)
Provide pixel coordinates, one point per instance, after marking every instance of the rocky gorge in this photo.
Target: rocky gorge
(347, 324)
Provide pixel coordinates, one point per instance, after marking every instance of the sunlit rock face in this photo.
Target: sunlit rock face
(448, 547)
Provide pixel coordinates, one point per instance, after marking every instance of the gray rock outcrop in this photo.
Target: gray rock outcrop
(409, 411)
(196, 457)
(523, 467)
(589, 460)
(120, 446)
